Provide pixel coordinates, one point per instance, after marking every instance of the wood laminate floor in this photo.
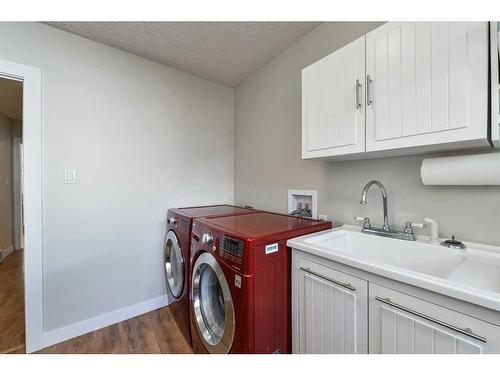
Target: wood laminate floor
(12, 303)
(152, 333)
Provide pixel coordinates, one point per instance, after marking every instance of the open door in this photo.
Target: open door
(27, 266)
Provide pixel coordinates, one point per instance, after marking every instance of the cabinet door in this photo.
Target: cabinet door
(333, 115)
(403, 324)
(332, 311)
(427, 84)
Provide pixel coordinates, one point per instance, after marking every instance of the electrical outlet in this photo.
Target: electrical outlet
(323, 217)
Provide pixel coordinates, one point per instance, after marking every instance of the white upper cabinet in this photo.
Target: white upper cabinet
(428, 84)
(422, 87)
(333, 114)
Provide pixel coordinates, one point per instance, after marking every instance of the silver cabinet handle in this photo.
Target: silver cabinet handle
(369, 83)
(463, 331)
(357, 98)
(344, 285)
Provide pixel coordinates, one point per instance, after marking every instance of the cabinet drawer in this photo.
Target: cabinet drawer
(400, 323)
(332, 310)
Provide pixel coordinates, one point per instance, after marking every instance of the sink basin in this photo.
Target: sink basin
(472, 274)
(420, 257)
(478, 272)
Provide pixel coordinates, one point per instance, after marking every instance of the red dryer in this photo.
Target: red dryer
(240, 298)
(177, 256)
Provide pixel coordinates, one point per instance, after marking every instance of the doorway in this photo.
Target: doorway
(12, 311)
(21, 275)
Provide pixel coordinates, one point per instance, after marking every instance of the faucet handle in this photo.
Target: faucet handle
(365, 220)
(419, 225)
(409, 226)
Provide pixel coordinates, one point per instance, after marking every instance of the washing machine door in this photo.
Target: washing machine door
(174, 264)
(212, 305)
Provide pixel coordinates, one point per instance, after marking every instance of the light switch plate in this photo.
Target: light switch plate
(69, 176)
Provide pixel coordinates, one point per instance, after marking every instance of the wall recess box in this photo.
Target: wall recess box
(303, 196)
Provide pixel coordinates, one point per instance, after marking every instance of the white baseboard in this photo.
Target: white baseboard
(101, 321)
(6, 252)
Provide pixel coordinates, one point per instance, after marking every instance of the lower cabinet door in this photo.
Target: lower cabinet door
(332, 311)
(400, 323)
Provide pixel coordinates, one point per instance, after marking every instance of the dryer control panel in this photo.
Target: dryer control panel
(232, 246)
(231, 249)
(227, 247)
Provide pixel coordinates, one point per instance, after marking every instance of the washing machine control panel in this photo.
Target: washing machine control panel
(231, 249)
(232, 246)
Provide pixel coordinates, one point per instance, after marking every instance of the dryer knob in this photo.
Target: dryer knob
(207, 238)
(172, 220)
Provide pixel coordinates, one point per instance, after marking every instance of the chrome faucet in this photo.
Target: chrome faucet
(385, 231)
(384, 200)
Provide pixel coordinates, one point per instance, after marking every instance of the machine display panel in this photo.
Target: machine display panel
(232, 246)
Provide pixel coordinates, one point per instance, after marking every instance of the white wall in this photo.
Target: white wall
(142, 138)
(268, 155)
(5, 182)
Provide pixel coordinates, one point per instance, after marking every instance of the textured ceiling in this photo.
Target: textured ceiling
(11, 98)
(223, 52)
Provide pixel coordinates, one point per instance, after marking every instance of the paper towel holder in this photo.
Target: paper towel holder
(462, 170)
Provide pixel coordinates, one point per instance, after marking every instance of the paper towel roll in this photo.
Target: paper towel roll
(481, 169)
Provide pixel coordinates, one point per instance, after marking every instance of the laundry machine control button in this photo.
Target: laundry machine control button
(207, 238)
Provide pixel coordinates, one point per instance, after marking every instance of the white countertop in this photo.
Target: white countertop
(471, 275)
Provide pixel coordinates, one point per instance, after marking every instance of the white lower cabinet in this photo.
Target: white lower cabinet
(400, 323)
(332, 311)
(339, 313)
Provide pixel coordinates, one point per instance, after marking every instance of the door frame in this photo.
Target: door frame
(17, 206)
(32, 141)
